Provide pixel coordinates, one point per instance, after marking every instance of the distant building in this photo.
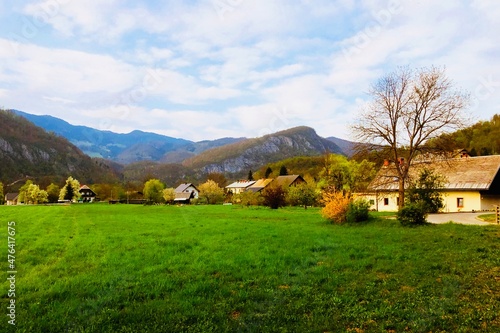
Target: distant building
(11, 199)
(185, 192)
(287, 181)
(86, 194)
(239, 186)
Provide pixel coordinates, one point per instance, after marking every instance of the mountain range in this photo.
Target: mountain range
(140, 153)
(144, 146)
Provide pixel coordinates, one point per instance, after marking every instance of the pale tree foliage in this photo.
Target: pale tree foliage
(71, 189)
(409, 107)
(153, 191)
(35, 195)
(211, 192)
(169, 194)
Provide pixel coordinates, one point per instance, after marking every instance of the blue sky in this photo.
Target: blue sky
(215, 68)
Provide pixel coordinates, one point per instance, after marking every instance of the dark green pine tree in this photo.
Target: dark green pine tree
(69, 191)
(250, 175)
(269, 171)
(283, 171)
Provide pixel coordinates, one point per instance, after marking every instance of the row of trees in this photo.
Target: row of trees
(31, 193)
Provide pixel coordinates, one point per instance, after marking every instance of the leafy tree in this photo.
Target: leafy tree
(341, 174)
(169, 195)
(425, 189)
(408, 109)
(153, 191)
(211, 192)
(248, 198)
(283, 171)
(70, 191)
(304, 194)
(250, 175)
(23, 191)
(358, 211)
(35, 195)
(269, 171)
(219, 178)
(53, 193)
(274, 196)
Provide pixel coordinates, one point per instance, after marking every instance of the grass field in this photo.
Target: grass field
(118, 268)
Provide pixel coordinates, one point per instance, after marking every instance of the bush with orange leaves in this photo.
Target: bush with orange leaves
(336, 207)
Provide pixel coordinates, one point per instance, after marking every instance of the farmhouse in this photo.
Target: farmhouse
(239, 186)
(185, 192)
(11, 199)
(471, 184)
(86, 194)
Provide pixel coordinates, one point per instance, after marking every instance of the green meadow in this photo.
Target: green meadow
(119, 268)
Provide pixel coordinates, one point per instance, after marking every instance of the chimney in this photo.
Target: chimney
(386, 162)
(401, 161)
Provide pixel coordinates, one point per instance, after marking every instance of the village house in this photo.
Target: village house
(86, 194)
(471, 184)
(185, 192)
(239, 186)
(11, 199)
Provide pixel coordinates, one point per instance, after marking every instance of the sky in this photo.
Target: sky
(209, 69)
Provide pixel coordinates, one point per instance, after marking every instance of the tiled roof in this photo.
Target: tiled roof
(241, 184)
(468, 173)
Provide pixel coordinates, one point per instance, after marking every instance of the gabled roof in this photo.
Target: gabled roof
(184, 187)
(259, 184)
(467, 173)
(11, 196)
(287, 180)
(85, 188)
(241, 184)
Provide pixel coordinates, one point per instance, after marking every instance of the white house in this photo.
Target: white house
(471, 184)
(239, 186)
(186, 192)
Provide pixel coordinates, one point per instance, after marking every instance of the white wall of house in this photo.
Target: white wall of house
(191, 188)
(461, 201)
(381, 202)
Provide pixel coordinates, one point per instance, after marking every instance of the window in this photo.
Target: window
(460, 202)
(372, 202)
(386, 201)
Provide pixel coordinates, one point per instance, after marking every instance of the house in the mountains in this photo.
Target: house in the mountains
(11, 199)
(239, 186)
(86, 194)
(185, 192)
(259, 185)
(471, 183)
(287, 181)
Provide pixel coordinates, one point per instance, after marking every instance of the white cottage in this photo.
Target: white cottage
(471, 184)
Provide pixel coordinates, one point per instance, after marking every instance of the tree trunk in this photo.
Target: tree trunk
(401, 193)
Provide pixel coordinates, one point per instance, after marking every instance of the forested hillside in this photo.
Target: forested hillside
(29, 151)
(480, 139)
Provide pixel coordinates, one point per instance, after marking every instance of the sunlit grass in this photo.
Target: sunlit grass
(100, 268)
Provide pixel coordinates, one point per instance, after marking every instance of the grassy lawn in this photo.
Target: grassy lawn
(118, 268)
(492, 218)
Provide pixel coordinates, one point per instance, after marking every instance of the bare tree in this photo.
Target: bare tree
(409, 107)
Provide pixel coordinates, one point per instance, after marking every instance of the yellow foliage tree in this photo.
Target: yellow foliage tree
(336, 206)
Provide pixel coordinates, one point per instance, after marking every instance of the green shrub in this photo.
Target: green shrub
(414, 213)
(358, 211)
